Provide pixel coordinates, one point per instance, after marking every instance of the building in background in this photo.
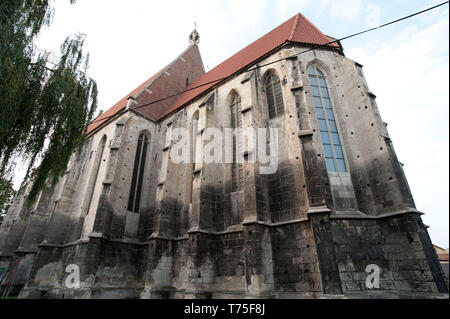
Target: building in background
(443, 259)
(334, 214)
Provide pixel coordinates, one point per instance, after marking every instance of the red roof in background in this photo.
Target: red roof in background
(441, 252)
(297, 29)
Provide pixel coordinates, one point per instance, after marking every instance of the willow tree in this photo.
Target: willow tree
(45, 106)
(7, 193)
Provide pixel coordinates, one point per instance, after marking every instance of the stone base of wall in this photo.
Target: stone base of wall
(14, 290)
(126, 293)
(323, 257)
(105, 293)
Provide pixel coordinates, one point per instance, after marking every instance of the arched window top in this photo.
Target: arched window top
(235, 108)
(102, 142)
(271, 77)
(313, 70)
(194, 123)
(195, 116)
(143, 136)
(274, 95)
(235, 98)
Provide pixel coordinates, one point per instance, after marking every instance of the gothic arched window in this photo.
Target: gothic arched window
(334, 156)
(274, 95)
(237, 173)
(193, 155)
(196, 140)
(138, 174)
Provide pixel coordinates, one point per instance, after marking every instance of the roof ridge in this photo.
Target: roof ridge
(320, 32)
(297, 29)
(247, 46)
(149, 80)
(294, 27)
(105, 117)
(162, 71)
(243, 49)
(284, 33)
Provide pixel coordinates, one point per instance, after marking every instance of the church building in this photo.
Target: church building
(313, 204)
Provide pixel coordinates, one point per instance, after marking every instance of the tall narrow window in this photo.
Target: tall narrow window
(195, 141)
(274, 95)
(138, 174)
(334, 157)
(192, 155)
(237, 170)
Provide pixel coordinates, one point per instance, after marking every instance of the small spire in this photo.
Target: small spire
(194, 37)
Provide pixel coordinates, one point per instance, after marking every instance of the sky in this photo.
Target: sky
(406, 65)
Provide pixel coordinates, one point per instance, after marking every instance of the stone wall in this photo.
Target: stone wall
(299, 232)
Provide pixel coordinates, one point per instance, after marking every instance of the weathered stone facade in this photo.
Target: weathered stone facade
(299, 232)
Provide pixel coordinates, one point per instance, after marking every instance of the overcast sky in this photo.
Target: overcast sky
(406, 65)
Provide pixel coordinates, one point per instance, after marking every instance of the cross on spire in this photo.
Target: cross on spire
(194, 37)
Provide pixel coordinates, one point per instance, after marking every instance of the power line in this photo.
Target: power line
(352, 35)
(314, 47)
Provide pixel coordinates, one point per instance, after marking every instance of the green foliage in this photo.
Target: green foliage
(7, 193)
(45, 107)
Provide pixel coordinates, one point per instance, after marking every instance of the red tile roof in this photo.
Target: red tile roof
(188, 67)
(443, 257)
(442, 253)
(169, 81)
(118, 107)
(297, 29)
